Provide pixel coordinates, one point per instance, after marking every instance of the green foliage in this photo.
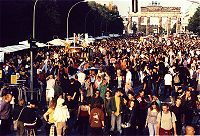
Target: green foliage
(194, 22)
(110, 19)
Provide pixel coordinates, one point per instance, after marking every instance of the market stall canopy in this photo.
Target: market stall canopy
(13, 48)
(57, 42)
(22, 46)
(37, 43)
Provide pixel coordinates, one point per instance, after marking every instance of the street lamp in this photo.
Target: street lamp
(31, 51)
(34, 18)
(68, 16)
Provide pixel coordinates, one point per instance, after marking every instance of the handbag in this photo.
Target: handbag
(15, 124)
(16, 121)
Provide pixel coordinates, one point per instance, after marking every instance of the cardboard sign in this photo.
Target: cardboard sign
(1, 72)
(13, 79)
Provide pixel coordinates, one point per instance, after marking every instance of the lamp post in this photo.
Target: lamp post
(68, 16)
(31, 51)
(34, 18)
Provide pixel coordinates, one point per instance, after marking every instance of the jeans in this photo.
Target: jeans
(116, 119)
(152, 129)
(20, 128)
(167, 90)
(155, 89)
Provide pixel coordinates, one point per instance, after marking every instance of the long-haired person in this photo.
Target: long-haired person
(108, 112)
(61, 115)
(97, 120)
(152, 114)
(48, 116)
(130, 119)
(83, 117)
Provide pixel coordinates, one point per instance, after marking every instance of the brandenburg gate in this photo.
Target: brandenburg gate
(157, 11)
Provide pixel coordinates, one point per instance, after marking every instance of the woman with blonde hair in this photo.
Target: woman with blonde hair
(48, 117)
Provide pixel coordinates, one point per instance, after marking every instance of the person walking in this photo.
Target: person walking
(168, 85)
(151, 122)
(61, 115)
(166, 122)
(116, 105)
(130, 119)
(177, 109)
(48, 117)
(16, 115)
(50, 88)
(107, 111)
(83, 118)
(5, 114)
(97, 120)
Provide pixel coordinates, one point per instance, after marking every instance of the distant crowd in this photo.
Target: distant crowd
(123, 86)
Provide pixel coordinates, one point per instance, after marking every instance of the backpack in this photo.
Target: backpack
(176, 79)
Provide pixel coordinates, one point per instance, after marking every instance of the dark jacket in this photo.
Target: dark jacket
(112, 104)
(28, 115)
(16, 112)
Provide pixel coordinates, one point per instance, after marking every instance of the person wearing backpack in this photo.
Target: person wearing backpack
(166, 122)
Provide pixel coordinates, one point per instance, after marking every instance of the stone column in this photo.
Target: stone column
(178, 24)
(168, 25)
(139, 23)
(129, 26)
(160, 25)
(148, 25)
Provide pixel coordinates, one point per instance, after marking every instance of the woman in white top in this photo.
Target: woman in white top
(61, 115)
(151, 122)
(50, 88)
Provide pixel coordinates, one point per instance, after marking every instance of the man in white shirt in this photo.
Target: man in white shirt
(128, 76)
(81, 77)
(168, 84)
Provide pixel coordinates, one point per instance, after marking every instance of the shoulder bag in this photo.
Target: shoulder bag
(16, 121)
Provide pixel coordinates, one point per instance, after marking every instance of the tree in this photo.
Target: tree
(194, 22)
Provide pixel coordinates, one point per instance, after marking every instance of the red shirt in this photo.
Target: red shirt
(96, 118)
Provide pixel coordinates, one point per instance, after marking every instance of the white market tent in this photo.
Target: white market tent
(57, 42)
(22, 46)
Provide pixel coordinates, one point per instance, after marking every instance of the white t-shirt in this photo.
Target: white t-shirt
(168, 79)
(81, 77)
(128, 77)
(50, 83)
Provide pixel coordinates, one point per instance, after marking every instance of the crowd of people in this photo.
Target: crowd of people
(99, 95)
